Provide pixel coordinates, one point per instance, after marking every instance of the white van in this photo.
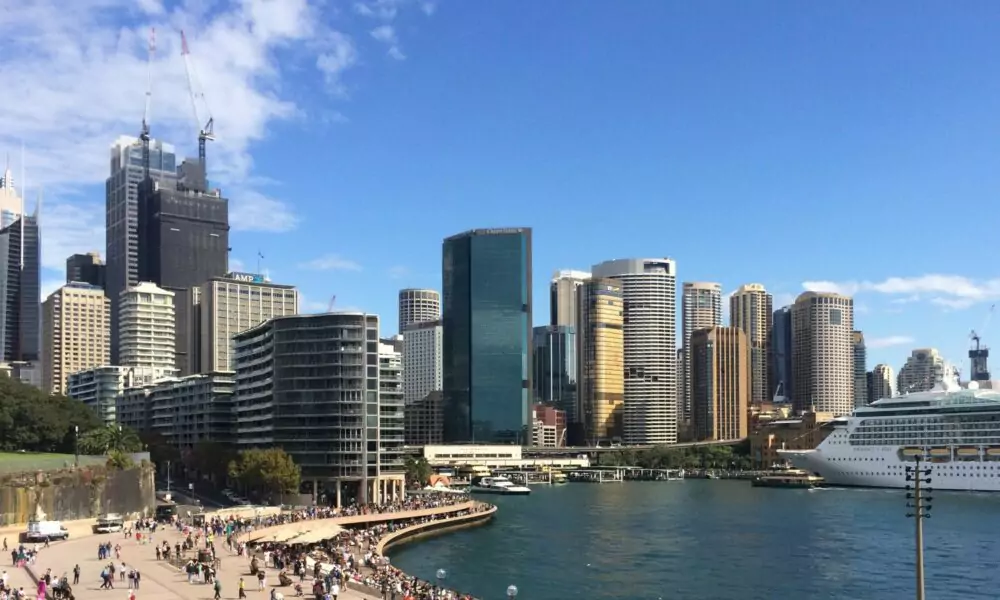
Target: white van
(40, 531)
(109, 523)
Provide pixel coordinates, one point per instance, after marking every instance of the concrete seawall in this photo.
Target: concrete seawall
(434, 527)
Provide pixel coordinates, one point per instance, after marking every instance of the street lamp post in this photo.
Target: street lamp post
(76, 445)
(168, 476)
(921, 506)
(512, 591)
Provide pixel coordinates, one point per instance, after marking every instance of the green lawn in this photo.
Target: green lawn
(18, 462)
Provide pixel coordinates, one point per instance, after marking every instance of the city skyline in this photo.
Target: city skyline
(810, 129)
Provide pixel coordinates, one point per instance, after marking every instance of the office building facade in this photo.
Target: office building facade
(122, 214)
(563, 291)
(924, 367)
(183, 242)
(423, 355)
(554, 369)
(720, 377)
(20, 290)
(418, 306)
(860, 354)
(86, 268)
(486, 276)
(648, 288)
(600, 413)
(882, 381)
(823, 353)
(147, 328)
(701, 307)
(310, 385)
(76, 333)
(781, 355)
(751, 309)
(226, 306)
(423, 420)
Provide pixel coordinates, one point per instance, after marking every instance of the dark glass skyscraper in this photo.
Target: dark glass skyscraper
(554, 368)
(20, 290)
(486, 277)
(781, 352)
(183, 242)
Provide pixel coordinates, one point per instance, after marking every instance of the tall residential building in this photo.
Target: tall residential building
(649, 288)
(860, 353)
(823, 353)
(147, 328)
(750, 309)
(20, 290)
(87, 268)
(883, 380)
(183, 242)
(781, 355)
(701, 305)
(554, 376)
(185, 411)
(122, 215)
(75, 333)
(600, 350)
(423, 352)
(391, 421)
(418, 306)
(563, 290)
(720, 378)
(225, 306)
(924, 368)
(100, 387)
(303, 385)
(486, 277)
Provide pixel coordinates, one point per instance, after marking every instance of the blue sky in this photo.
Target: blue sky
(843, 146)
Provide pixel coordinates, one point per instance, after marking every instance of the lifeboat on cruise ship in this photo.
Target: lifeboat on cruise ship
(968, 453)
(993, 454)
(940, 454)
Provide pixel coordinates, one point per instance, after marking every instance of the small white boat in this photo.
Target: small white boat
(499, 485)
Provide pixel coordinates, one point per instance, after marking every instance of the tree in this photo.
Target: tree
(119, 460)
(34, 421)
(268, 471)
(211, 459)
(108, 439)
(160, 451)
(418, 470)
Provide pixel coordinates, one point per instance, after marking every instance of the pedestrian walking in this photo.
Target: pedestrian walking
(218, 589)
(138, 576)
(243, 589)
(76, 574)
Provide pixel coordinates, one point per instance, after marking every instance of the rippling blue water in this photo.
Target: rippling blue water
(717, 540)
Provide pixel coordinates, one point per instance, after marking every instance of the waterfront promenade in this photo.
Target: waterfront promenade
(162, 581)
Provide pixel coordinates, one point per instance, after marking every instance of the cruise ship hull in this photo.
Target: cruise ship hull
(882, 467)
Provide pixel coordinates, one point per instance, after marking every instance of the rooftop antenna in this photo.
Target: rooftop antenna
(260, 257)
(144, 134)
(207, 132)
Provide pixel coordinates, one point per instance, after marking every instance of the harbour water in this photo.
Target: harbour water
(716, 540)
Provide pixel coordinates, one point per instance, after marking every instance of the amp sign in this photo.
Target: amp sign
(246, 277)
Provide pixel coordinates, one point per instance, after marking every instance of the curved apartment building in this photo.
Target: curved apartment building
(649, 289)
(823, 353)
(418, 306)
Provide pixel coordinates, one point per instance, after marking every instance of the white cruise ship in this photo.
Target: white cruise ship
(957, 428)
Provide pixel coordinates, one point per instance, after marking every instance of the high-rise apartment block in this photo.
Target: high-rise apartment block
(418, 306)
(781, 355)
(823, 353)
(720, 377)
(486, 276)
(924, 368)
(225, 306)
(860, 353)
(122, 214)
(563, 290)
(423, 381)
(184, 411)
(391, 423)
(554, 369)
(303, 385)
(147, 328)
(75, 333)
(86, 268)
(20, 290)
(648, 288)
(750, 309)
(701, 307)
(600, 413)
(883, 379)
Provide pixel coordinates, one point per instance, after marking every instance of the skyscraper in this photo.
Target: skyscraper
(860, 369)
(781, 354)
(701, 304)
(183, 242)
(122, 215)
(823, 353)
(600, 413)
(649, 288)
(147, 327)
(720, 377)
(418, 306)
(75, 333)
(20, 290)
(883, 380)
(86, 268)
(554, 358)
(11, 203)
(750, 309)
(423, 381)
(924, 367)
(486, 277)
(563, 291)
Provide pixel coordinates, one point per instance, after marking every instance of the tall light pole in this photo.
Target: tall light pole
(76, 445)
(921, 506)
(168, 476)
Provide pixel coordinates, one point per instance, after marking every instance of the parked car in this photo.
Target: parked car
(40, 531)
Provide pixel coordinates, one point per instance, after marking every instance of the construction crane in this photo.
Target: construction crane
(207, 132)
(144, 134)
(333, 300)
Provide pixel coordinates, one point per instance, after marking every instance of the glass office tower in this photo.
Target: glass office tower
(486, 280)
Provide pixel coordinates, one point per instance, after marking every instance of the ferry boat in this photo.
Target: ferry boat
(956, 429)
(789, 478)
(499, 485)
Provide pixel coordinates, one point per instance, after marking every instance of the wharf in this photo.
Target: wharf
(619, 474)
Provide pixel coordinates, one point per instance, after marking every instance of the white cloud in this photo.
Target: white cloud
(861, 309)
(889, 341)
(386, 34)
(68, 229)
(339, 55)
(952, 291)
(428, 8)
(379, 9)
(331, 262)
(254, 211)
(782, 299)
(398, 272)
(237, 265)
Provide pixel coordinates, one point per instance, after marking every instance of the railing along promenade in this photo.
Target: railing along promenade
(472, 518)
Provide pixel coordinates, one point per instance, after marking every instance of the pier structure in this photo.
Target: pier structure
(625, 473)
